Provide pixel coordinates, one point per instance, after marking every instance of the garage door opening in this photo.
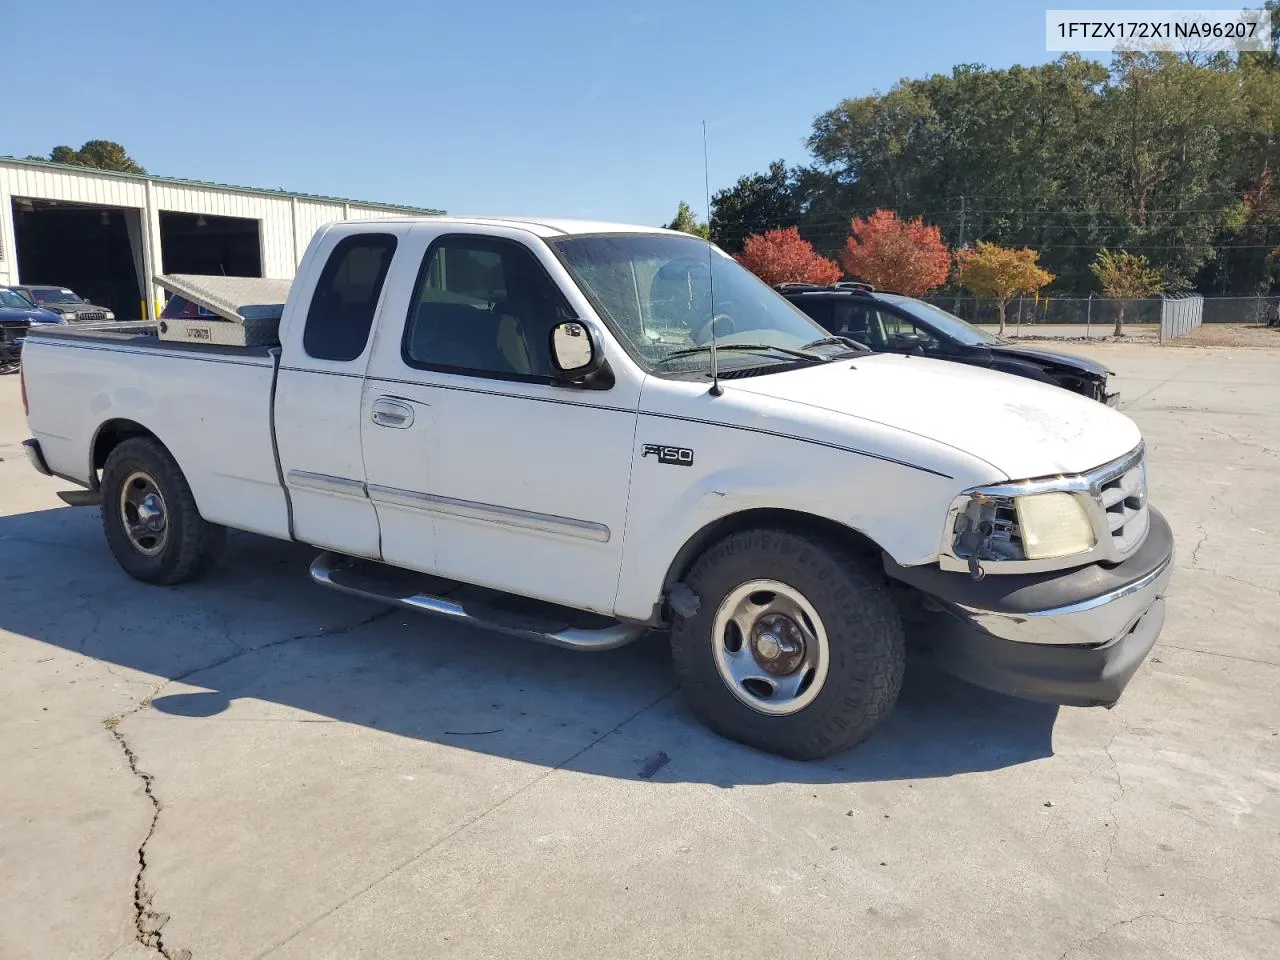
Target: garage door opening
(213, 246)
(95, 251)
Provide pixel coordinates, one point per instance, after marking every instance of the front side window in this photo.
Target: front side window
(346, 297)
(902, 335)
(484, 307)
(666, 295)
(858, 321)
(950, 325)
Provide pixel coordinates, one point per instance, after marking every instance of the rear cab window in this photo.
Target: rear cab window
(345, 298)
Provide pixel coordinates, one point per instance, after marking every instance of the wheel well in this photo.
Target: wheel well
(109, 436)
(794, 520)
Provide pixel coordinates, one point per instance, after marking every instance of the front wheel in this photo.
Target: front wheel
(796, 647)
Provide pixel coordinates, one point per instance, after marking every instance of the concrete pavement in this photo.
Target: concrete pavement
(251, 766)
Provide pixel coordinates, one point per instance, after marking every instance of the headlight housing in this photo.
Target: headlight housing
(1020, 528)
(1053, 523)
(110, 315)
(68, 315)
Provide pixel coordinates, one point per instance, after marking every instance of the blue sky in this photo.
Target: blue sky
(563, 107)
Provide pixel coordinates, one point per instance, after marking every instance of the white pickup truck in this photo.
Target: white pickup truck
(583, 432)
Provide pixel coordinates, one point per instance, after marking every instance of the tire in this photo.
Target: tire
(182, 545)
(864, 644)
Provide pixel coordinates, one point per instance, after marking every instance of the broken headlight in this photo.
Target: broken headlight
(1037, 526)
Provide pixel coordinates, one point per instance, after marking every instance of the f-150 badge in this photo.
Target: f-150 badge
(678, 456)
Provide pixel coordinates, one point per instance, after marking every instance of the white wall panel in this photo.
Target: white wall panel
(286, 222)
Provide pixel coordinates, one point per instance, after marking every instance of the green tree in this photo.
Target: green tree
(1174, 158)
(1125, 276)
(756, 203)
(686, 222)
(103, 154)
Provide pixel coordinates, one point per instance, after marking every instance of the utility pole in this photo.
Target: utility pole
(955, 307)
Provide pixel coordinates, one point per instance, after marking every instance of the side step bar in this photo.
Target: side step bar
(351, 576)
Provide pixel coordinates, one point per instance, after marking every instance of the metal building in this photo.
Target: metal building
(106, 235)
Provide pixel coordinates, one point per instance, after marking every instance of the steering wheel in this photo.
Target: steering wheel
(704, 331)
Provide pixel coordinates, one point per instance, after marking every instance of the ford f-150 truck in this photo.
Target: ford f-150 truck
(584, 432)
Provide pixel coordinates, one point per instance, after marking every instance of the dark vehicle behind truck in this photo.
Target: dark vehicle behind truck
(892, 323)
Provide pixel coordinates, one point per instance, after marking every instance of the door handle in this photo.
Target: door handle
(392, 413)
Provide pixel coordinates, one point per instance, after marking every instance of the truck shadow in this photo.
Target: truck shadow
(258, 633)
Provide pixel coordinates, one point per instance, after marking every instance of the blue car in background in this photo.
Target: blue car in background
(17, 316)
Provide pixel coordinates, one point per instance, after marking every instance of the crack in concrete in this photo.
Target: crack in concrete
(149, 923)
(1250, 583)
(1113, 927)
(1247, 443)
(1195, 551)
(1215, 653)
(1111, 809)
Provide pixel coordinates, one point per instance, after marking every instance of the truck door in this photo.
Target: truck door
(482, 466)
(318, 418)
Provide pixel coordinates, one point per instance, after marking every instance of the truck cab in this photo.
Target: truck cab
(584, 433)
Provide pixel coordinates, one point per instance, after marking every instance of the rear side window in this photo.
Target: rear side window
(818, 310)
(346, 297)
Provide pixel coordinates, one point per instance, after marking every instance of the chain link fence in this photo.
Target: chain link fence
(1098, 314)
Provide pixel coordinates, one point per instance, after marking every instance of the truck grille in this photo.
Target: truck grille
(91, 316)
(1121, 491)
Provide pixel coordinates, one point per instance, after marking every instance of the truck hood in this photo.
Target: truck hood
(1023, 428)
(28, 314)
(1050, 358)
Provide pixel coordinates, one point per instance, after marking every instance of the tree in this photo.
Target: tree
(686, 222)
(783, 256)
(1000, 273)
(1125, 276)
(756, 203)
(103, 154)
(906, 256)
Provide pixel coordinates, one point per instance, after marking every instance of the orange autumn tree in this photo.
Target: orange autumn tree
(1001, 273)
(905, 256)
(783, 256)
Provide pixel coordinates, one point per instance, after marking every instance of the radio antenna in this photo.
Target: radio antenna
(716, 389)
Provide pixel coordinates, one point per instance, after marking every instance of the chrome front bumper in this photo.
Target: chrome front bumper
(1071, 638)
(1093, 622)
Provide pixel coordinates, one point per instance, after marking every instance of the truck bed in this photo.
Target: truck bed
(143, 335)
(211, 405)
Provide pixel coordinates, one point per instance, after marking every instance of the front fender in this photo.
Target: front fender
(899, 507)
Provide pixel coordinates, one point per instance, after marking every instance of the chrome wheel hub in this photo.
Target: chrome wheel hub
(770, 647)
(143, 514)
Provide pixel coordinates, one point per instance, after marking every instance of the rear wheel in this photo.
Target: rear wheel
(796, 648)
(150, 518)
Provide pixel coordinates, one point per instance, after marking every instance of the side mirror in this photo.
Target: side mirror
(573, 351)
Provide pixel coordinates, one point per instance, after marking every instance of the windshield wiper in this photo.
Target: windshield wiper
(690, 351)
(843, 341)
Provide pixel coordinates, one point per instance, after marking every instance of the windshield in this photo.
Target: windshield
(9, 298)
(946, 323)
(655, 290)
(54, 295)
